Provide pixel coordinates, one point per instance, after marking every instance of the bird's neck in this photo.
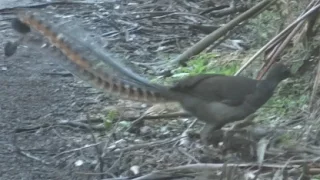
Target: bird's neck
(263, 93)
(269, 84)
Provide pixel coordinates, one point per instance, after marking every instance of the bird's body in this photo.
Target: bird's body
(219, 98)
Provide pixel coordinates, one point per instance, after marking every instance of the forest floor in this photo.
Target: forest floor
(45, 111)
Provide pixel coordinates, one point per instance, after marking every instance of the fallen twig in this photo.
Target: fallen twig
(76, 149)
(28, 155)
(42, 5)
(279, 49)
(140, 146)
(282, 33)
(227, 11)
(209, 39)
(188, 155)
(99, 153)
(139, 118)
(315, 88)
(206, 167)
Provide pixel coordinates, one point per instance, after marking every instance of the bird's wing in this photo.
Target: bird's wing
(230, 90)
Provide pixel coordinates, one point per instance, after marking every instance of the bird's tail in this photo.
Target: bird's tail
(80, 55)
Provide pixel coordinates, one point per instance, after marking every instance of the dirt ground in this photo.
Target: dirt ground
(35, 94)
(38, 96)
(30, 98)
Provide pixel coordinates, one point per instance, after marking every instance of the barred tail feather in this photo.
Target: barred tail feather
(88, 69)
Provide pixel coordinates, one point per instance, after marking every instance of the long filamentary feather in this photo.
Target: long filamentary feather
(90, 69)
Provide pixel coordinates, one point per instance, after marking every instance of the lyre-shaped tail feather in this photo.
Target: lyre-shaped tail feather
(88, 63)
(81, 43)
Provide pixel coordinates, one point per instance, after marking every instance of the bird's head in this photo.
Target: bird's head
(279, 72)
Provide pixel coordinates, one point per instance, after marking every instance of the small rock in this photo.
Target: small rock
(145, 130)
(78, 163)
(131, 114)
(137, 141)
(164, 129)
(135, 169)
(121, 143)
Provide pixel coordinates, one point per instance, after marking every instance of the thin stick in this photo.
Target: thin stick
(276, 37)
(209, 39)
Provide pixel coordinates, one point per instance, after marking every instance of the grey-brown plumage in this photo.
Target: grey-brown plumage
(10, 48)
(19, 26)
(214, 97)
(218, 99)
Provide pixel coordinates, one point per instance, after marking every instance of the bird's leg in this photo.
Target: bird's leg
(244, 123)
(210, 134)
